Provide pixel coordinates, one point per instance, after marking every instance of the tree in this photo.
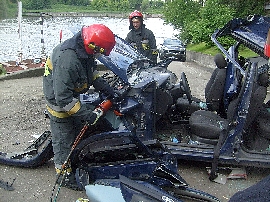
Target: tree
(124, 5)
(3, 9)
(135, 4)
(244, 8)
(197, 20)
(36, 4)
(100, 4)
(180, 12)
(75, 2)
(208, 21)
(145, 5)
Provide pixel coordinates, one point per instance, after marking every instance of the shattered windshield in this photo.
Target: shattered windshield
(121, 57)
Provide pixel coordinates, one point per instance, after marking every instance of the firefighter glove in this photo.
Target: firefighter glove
(145, 46)
(101, 85)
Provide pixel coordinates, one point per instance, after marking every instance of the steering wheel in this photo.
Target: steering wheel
(186, 87)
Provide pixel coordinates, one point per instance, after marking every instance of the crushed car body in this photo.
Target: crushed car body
(159, 121)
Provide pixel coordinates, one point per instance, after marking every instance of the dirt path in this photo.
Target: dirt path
(22, 105)
(21, 117)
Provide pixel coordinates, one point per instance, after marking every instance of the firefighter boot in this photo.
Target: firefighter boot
(67, 178)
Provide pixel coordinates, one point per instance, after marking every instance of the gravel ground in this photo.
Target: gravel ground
(22, 118)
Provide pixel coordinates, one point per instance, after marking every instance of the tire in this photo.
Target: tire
(184, 59)
(191, 194)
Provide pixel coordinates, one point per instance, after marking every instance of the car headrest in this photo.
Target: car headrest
(263, 79)
(220, 61)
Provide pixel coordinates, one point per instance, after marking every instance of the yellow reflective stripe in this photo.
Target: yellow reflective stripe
(46, 71)
(75, 109)
(81, 88)
(58, 114)
(63, 171)
(49, 63)
(155, 52)
(61, 115)
(48, 67)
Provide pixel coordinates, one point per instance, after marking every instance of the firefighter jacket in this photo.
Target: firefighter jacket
(70, 71)
(144, 40)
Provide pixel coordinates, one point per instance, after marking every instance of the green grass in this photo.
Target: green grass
(2, 70)
(203, 48)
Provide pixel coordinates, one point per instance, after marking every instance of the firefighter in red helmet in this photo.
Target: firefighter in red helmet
(69, 71)
(140, 37)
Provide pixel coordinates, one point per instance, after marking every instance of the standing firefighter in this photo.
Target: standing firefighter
(70, 71)
(140, 37)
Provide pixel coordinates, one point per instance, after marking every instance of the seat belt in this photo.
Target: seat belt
(222, 137)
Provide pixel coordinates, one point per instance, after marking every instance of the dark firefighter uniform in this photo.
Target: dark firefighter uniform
(144, 40)
(69, 71)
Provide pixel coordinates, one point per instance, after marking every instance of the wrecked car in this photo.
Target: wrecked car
(159, 121)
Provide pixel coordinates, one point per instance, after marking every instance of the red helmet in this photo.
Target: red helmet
(98, 38)
(267, 45)
(135, 14)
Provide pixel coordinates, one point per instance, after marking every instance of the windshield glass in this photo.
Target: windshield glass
(174, 42)
(121, 58)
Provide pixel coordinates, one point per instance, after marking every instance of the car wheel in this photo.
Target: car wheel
(184, 59)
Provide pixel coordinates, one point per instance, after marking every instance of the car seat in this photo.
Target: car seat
(259, 138)
(214, 91)
(206, 126)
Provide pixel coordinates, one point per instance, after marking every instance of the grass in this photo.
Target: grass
(3, 71)
(203, 48)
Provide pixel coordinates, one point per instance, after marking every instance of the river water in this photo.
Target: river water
(30, 43)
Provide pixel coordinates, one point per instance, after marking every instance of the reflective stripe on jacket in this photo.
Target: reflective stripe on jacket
(68, 73)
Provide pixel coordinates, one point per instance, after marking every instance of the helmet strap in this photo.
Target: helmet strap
(96, 48)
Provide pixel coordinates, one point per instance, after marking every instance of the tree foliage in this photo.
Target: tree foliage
(36, 4)
(3, 9)
(209, 20)
(77, 2)
(125, 5)
(245, 8)
(197, 20)
(181, 12)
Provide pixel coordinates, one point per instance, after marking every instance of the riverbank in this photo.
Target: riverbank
(86, 14)
(28, 68)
